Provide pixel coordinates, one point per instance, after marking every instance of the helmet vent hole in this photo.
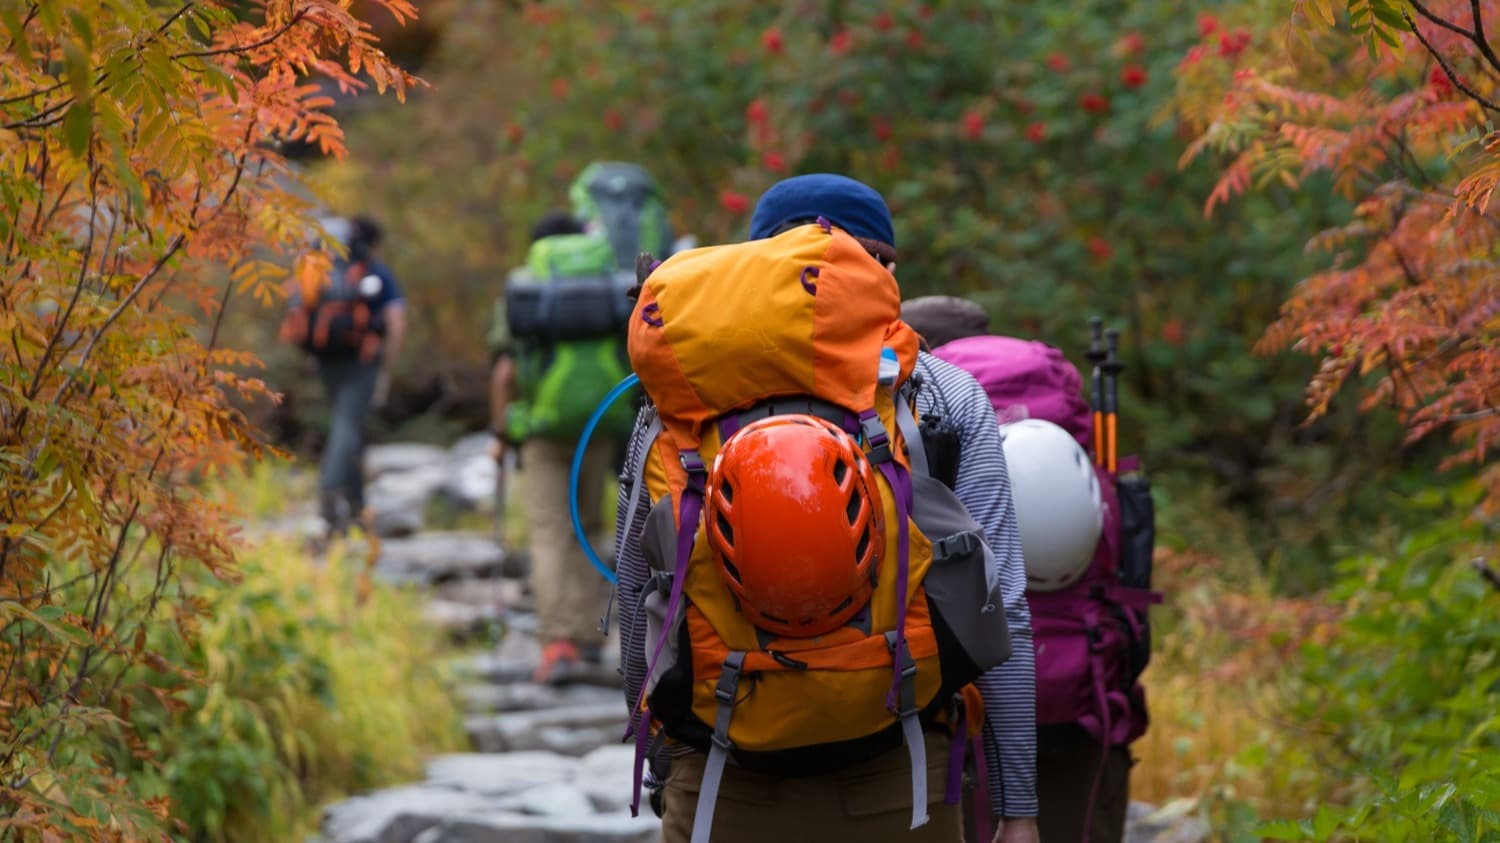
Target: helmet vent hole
(726, 530)
(840, 471)
(728, 492)
(853, 509)
(733, 571)
(864, 545)
(842, 606)
(773, 619)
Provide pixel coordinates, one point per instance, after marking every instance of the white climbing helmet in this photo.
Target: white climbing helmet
(1059, 509)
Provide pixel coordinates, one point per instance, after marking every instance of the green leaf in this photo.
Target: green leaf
(1282, 830)
(77, 68)
(10, 16)
(83, 27)
(1325, 822)
(78, 126)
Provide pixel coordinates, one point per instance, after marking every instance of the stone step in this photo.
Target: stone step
(529, 696)
(512, 797)
(570, 730)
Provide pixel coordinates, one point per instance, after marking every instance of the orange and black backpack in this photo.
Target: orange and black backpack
(802, 323)
(335, 313)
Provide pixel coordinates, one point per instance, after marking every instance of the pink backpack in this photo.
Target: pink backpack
(1091, 638)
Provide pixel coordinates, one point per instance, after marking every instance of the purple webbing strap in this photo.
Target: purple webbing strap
(728, 426)
(642, 740)
(900, 483)
(982, 798)
(954, 790)
(1096, 672)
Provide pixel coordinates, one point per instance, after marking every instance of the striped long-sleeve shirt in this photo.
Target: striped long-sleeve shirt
(984, 488)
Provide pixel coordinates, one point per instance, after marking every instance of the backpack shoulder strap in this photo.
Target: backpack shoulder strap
(636, 471)
(906, 422)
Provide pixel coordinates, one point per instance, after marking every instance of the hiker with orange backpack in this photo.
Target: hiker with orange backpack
(352, 324)
(1085, 523)
(817, 551)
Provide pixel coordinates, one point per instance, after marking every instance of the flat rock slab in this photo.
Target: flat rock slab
(519, 828)
(1175, 822)
(492, 775)
(398, 457)
(529, 696)
(397, 815)
(505, 669)
(605, 775)
(573, 730)
(459, 618)
(438, 557)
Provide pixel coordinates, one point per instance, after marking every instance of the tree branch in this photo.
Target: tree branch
(1444, 23)
(244, 48)
(1479, 39)
(1452, 77)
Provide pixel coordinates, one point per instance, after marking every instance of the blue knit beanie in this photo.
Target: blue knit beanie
(851, 205)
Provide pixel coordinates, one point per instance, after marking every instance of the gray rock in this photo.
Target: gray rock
(396, 815)
(570, 741)
(519, 828)
(399, 499)
(501, 592)
(605, 775)
(459, 618)
(1176, 822)
(548, 800)
(470, 482)
(398, 457)
(575, 729)
(436, 557)
(529, 696)
(507, 668)
(492, 775)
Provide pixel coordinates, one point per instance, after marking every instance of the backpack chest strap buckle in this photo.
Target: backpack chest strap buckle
(877, 440)
(956, 546)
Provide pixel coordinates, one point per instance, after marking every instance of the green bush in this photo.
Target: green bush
(312, 684)
(1407, 691)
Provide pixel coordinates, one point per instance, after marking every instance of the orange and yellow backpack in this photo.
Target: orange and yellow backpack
(805, 322)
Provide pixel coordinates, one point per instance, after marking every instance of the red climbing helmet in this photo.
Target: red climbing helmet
(795, 517)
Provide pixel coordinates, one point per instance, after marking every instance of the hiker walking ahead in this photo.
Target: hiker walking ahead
(1089, 617)
(809, 584)
(558, 346)
(352, 322)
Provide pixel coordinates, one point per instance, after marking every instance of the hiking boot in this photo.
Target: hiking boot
(560, 663)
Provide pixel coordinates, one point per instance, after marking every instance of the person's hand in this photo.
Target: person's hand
(382, 391)
(497, 448)
(1018, 830)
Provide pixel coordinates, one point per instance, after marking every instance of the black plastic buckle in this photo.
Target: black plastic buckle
(955, 546)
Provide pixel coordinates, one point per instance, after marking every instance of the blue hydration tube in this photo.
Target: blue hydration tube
(573, 476)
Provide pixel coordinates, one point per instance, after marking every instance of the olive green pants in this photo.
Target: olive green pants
(866, 803)
(570, 594)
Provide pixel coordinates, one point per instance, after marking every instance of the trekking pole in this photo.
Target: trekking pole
(1096, 387)
(1112, 369)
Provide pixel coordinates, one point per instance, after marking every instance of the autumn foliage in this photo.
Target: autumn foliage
(1391, 103)
(141, 190)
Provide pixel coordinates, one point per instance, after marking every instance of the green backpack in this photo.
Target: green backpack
(623, 200)
(566, 313)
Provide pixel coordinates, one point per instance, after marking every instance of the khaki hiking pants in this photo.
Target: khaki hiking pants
(570, 594)
(868, 803)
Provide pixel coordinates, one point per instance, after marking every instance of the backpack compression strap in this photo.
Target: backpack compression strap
(718, 753)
